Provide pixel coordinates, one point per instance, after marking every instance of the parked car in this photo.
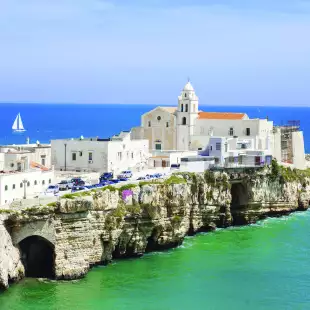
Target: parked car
(65, 185)
(123, 179)
(125, 174)
(54, 189)
(141, 178)
(77, 182)
(106, 176)
(175, 166)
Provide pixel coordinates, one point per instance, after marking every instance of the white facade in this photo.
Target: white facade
(17, 185)
(168, 158)
(190, 129)
(196, 163)
(115, 154)
(20, 157)
(236, 152)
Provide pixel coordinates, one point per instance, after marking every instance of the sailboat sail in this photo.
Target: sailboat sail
(15, 125)
(18, 124)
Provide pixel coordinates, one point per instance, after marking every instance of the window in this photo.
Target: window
(6, 187)
(28, 184)
(158, 118)
(167, 124)
(132, 155)
(186, 108)
(231, 131)
(90, 156)
(35, 182)
(81, 154)
(243, 146)
(21, 185)
(248, 131)
(211, 148)
(43, 182)
(185, 95)
(181, 107)
(184, 121)
(119, 155)
(226, 147)
(149, 123)
(13, 187)
(218, 146)
(73, 156)
(158, 146)
(49, 181)
(200, 149)
(43, 161)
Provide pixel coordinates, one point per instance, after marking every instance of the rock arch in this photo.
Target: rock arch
(38, 257)
(239, 202)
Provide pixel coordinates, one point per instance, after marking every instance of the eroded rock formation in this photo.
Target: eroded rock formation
(114, 223)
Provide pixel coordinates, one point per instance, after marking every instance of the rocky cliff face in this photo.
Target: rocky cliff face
(127, 222)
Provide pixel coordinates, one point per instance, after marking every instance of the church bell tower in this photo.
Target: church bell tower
(187, 113)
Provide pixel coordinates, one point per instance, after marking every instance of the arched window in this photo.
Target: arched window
(185, 95)
(35, 182)
(181, 107)
(49, 181)
(43, 182)
(21, 185)
(5, 187)
(149, 123)
(13, 187)
(186, 108)
(158, 118)
(184, 121)
(28, 184)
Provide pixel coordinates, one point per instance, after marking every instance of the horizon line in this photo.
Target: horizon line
(151, 104)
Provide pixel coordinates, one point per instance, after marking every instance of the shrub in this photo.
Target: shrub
(110, 188)
(174, 180)
(127, 186)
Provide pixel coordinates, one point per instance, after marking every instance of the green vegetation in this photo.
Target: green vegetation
(68, 196)
(174, 179)
(133, 210)
(177, 219)
(286, 174)
(52, 204)
(110, 188)
(127, 186)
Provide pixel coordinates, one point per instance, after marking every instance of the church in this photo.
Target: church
(186, 127)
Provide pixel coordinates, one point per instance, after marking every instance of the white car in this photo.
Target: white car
(65, 185)
(53, 189)
(125, 174)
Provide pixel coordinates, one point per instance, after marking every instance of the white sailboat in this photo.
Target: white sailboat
(18, 124)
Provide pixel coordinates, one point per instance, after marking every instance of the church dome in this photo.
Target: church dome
(188, 87)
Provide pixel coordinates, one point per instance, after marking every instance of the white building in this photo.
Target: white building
(185, 128)
(22, 156)
(25, 171)
(101, 155)
(27, 184)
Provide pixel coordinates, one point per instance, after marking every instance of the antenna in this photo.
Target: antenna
(188, 79)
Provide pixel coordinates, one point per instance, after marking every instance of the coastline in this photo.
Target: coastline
(84, 231)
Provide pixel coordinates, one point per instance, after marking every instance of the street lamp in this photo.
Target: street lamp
(65, 156)
(25, 184)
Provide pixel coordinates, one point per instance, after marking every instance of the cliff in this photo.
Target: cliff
(94, 227)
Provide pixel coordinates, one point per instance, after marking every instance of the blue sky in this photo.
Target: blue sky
(237, 52)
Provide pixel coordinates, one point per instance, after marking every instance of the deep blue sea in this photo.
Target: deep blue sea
(44, 122)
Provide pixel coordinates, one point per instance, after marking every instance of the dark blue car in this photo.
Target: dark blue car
(106, 176)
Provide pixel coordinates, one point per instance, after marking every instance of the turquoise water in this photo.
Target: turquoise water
(262, 266)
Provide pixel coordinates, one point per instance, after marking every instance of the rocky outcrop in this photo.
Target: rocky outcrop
(129, 221)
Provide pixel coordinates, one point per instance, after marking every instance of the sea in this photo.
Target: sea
(44, 122)
(261, 266)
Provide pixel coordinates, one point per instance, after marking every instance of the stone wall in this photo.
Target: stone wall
(127, 222)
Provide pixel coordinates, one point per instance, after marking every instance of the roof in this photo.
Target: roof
(188, 87)
(221, 115)
(159, 157)
(169, 109)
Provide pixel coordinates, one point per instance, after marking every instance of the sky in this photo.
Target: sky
(235, 52)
